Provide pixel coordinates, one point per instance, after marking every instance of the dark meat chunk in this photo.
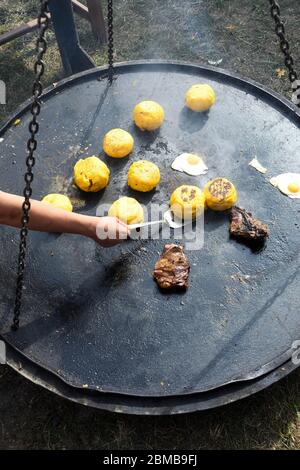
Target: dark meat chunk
(172, 268)
(245, 227)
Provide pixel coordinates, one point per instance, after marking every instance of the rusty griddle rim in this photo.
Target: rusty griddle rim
(135, 405)
(282, 104)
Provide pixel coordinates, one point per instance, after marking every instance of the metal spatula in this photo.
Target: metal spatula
(168, 218)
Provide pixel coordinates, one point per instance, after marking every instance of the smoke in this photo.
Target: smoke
(164, 29)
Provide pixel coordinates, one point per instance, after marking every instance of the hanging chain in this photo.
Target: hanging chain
(43, 23)
(110, 51)
(284, 45)
(41, 45)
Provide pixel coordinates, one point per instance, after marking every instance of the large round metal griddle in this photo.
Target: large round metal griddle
(94, 318)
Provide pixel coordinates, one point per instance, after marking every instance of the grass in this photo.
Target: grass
(241, 34)
(32, 418)
(238, 32)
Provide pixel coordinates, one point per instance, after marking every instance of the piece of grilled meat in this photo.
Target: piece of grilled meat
(246, 228)
(172, 268)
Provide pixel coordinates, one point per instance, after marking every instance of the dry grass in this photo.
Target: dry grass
(238, 32)
(241, 34)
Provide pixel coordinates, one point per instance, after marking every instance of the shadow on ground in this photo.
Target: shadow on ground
(33, 418)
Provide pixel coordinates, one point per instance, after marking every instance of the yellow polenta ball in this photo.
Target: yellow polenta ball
(91, 174)
(128, 210)
(59, 201)
(118, 143)
(143, 176)
(220, 194)
(148, 115)
(200, 97)
(187, 202)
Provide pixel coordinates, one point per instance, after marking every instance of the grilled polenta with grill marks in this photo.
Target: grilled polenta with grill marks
(187, 202)
(220, 194)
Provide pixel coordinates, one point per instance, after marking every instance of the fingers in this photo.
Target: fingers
(120, 222)
(111, 231)
(122, 231)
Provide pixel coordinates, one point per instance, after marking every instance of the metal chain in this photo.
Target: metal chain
(284, 44)
(110, 51)
(41, 45)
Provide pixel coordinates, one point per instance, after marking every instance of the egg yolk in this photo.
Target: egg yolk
(193, 159)
(294, 187)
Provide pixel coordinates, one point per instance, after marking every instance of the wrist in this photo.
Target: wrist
(88, 226)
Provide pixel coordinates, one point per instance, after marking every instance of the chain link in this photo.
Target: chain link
(41, 46)
(110, 51)
(284, 44)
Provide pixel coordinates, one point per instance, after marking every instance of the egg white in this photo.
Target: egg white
(257, 165)
(181, 164)
(283, 181)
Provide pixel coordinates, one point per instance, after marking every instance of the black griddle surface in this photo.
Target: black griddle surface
(95, 317)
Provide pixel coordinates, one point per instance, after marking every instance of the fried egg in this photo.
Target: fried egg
(288, 184)
(190, 163)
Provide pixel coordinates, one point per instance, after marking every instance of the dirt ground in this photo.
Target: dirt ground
(240, 34)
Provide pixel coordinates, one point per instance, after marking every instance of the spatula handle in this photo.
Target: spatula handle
(145, 224)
